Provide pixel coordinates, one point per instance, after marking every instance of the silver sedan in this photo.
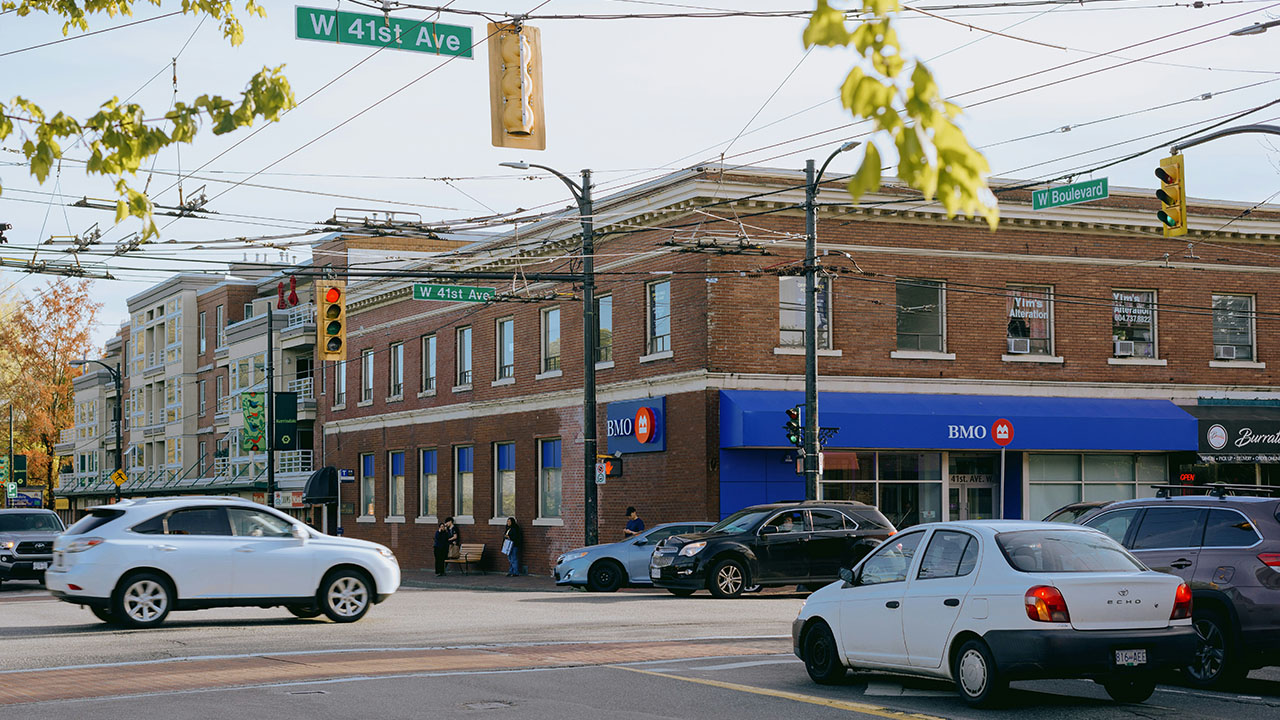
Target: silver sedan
(607, 567)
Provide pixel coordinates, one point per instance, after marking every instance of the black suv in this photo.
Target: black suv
(1227, 549)
(804, 543)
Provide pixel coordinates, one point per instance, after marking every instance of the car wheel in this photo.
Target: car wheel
(977, 677)
(103, 614)
(681, 592)
(604, 576)
(345, 595)
(821, 657)
(142, 601)
(1130, 690)
(728, 579)
(1215, 663)
(306, 612)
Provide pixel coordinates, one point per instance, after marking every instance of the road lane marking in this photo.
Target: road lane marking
(753, 663)
(888, 688)
(863, 708)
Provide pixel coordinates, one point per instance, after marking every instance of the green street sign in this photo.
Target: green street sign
(452, 292)
(396, 33)
(1069, 194)
(11, 489)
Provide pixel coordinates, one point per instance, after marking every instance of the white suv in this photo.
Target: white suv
(133, 562)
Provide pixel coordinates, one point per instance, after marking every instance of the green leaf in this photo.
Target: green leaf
(867, 179)
(826, 27)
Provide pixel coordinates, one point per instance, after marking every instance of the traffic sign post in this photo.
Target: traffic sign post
(119, 477)
(602, 472)
(346, 28)
(1069, 194)
(422, 291)
(11, 490)
(1002, 435)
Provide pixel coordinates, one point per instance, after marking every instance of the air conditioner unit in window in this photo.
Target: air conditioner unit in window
(1019, 346)
(1124, 348)
(1224, 352)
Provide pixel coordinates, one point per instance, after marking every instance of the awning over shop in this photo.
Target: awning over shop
(755, 418)
(1237, 433)
(322, 486)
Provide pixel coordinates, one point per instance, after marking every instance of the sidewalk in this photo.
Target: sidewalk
(475, 580)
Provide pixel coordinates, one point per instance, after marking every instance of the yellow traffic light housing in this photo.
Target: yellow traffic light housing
(1173, 196)
(331, 326)
(515, 86)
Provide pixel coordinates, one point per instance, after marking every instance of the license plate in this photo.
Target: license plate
(1130, 658)
(655, 573)
(40, 566)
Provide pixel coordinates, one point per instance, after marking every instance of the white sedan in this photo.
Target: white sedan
(982, 603)
(133, 562)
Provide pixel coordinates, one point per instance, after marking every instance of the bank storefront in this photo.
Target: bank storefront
(925, 458)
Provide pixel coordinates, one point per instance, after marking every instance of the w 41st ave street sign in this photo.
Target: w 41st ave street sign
(395, 33)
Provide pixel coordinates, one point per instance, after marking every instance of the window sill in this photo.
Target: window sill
(1029, 358)
(921, 355)
(822, 352)
(364, 403)
(427, 393)
(463, 520)
(503, 381)
(1137, 361)
(500, 520)
(548, 375)
(366, 519)
(1240, 364)
(426, 520)
(548, 522)
(394, 519)
(604, 365)
(462, 388)
(338, 408)
(664, 355)
(394, 399)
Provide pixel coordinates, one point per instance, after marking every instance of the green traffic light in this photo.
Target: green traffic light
(1167, 219)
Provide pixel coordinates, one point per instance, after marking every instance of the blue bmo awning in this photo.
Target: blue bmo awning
(755, 418)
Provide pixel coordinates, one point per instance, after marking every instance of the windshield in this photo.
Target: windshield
(1070, 513)
(30, 522)
(1065, 551)
(741, 521)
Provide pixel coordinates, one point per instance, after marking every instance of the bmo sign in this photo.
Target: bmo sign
(637, 426)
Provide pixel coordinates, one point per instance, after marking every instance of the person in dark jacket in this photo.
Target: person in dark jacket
(446, 535)
(515, 536)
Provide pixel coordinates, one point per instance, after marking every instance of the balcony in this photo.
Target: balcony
(301, 316)
(305, 387)
(294, 461)
(299, 329)
(67, 435)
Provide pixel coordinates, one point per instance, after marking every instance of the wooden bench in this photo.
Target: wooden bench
(469, 554)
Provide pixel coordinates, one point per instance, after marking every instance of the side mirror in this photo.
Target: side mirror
(846, 575)
(769, 530)
(641, 541)
(298, 532)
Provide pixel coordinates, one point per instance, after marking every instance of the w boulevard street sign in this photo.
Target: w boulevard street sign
(395, 33)
(1069, 194)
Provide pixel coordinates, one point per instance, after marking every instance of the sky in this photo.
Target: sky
(631, 98)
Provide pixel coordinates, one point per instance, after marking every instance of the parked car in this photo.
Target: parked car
(1227, 549)
(803, 543)
(133, 562)
(26, 542)
(607, 567)
(988, 601)
(1073, 512)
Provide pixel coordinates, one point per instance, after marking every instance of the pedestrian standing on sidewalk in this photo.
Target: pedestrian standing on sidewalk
(635, 525)
(512, 541)
(446, 537)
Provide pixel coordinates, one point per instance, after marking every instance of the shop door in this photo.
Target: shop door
(973, 502)
(974, 483)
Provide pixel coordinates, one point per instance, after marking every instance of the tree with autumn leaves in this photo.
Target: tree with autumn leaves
(39, 335)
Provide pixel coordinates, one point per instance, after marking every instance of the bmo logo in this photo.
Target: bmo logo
(967, 432)
(636, 426)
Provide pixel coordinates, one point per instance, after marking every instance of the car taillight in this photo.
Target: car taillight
(1046, 604)
(82, 544)
(1271, 560)
(1181, 603)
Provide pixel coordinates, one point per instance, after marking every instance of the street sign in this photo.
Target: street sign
(1069, 194)
(346, 475)
(452, 292)
(11, 490)
(1002, 432)
(119, 477)
(602, 471)
(345, 28)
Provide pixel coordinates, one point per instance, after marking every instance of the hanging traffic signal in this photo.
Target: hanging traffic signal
(1173, 196)
(253, 436)
(331, 330)
(4, 468)
(795, 432)
(515, 86)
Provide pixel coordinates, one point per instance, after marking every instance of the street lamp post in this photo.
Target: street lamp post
(115, 378)
(582, 194)
(811, 448)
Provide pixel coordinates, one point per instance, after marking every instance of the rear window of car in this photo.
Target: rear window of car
(872, 518)
(30, 522)
(96, 518)
(1065, 551)
(1228, 528)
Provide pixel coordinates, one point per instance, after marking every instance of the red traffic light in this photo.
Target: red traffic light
(793, 414)
(332, 295)
(1165, 177)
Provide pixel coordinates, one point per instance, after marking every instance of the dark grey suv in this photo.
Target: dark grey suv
(1227, 549)
(26, 542)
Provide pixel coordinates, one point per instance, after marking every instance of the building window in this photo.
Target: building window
(427, 484)
(791, 312)
(1133, 323)
(504, 479)
(463, 480)
(906, 486)
(248, 372)
(366, 484)
(219, 327)
(604, 328)
(1030, 313)
(464, 355)
(549, 478)
(203, 390)
(396, 359)
(1057, 479)
(921, 315)
(366, 375)
(203, 330)
(550, 339)
(248, 311)
(658, 317)
(340, 383)
(395, 484)
(1233, 327)
(506, 348)
(204, 453)
(428, 363)
(220, 391)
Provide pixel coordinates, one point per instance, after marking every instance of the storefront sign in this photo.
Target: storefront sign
(1240, 436)
(1002, 432)
(289, 499)
(27, 499)
(957, 479)
(637, 426)
(1133, 308)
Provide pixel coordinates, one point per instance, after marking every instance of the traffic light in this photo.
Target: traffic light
(515, 86)
(4, 468)
(1173, 196)
(253, 436)
(332, 328)
(795, 432)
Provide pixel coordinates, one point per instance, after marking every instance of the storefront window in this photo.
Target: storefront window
(906, 487)
(1133, 323)
(1061, 479)
(1030, 315)
(907, 504)
(849, 476)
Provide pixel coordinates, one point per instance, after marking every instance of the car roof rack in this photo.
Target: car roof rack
(1218, 490)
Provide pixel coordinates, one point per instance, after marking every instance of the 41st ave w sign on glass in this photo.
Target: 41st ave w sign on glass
(347, 28)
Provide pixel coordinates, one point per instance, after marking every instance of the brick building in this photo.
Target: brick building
(1110, 351)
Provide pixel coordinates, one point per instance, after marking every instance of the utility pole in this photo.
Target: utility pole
(271, 402)
(10, 465)
(115, 377)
